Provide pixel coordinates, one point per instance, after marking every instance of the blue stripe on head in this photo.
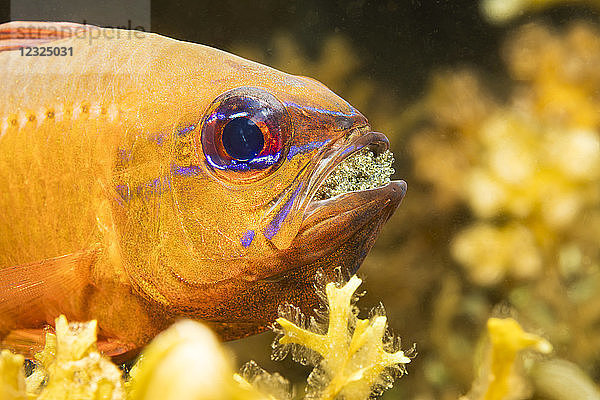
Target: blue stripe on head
(275, 224)
(247, 238)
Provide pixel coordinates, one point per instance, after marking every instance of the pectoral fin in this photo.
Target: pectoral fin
(27, 342)
(32, 295)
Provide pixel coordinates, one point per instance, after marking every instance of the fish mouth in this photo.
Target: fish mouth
(359, 161)
(345, 203)
(336, 231)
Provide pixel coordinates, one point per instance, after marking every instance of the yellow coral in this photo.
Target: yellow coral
(489, 252)
(69, 367)
(532, 164)
(530, 170)
(253, 378)
(353, 359)
(507, 339)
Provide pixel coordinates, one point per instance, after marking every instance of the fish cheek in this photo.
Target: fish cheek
(216, 231)
(221, 217)
(242, 308)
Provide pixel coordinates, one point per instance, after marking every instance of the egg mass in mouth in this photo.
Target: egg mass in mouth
(361, 171)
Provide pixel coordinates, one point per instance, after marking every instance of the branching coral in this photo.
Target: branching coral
(73, 366)
(184, 362)
(357, 358)
(12, 377)
(269, 386)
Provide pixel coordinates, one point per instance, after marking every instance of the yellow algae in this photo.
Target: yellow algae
(258, 382)
(184, 362)
(527, 167)
(508, 339)
(499, 379)
(69, 367)
(12, 376)
(73, 366)
(489, 253)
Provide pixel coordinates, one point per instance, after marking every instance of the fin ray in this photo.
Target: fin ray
(18, 34)
(32, 295)
(30, 341)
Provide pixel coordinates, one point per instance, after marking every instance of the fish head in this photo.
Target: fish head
(247, 232)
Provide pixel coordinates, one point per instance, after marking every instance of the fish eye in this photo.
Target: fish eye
(242, 139)
(245, 131)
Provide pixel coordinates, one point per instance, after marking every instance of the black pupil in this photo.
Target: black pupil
(242, 139)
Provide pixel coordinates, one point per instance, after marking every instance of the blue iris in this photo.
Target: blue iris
(242, 139)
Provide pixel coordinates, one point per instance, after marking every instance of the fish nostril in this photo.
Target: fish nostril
(345, 122)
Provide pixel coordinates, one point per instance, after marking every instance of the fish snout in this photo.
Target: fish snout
(350, 122)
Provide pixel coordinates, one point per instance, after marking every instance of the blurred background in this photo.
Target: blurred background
(492, 109)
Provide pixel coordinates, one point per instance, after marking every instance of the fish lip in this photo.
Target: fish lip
(393, 192)
(332, 222)
(386, 197)
(328, 224)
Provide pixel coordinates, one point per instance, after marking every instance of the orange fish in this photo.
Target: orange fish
(146, 179)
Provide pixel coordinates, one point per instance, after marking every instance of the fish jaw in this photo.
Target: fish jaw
(335, 233)
(328, 224)
(338, 233)
(334, 223)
